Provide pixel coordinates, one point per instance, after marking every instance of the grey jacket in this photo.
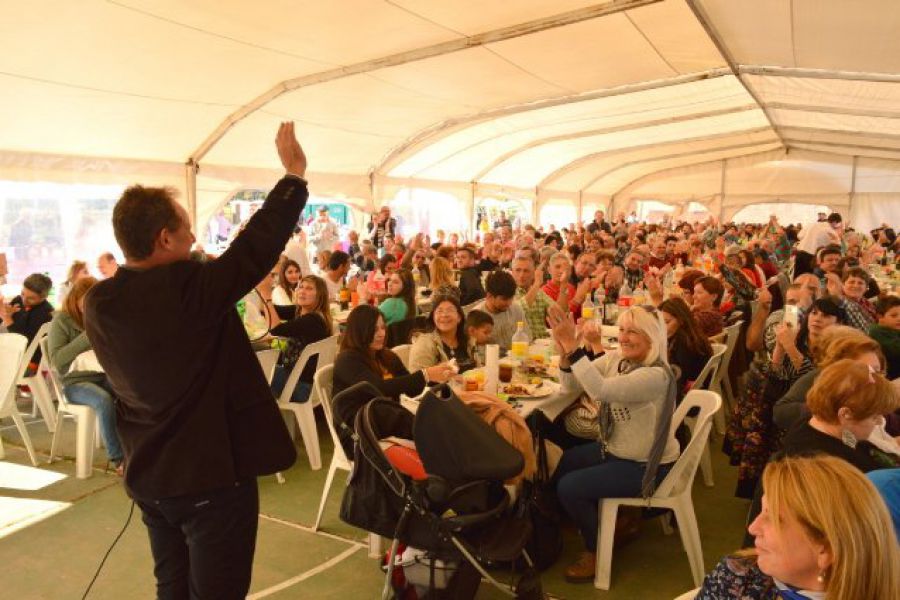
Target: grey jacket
(428, 350)
(65, 342)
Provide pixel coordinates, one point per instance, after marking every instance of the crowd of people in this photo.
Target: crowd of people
(814, 368)
(814, 362)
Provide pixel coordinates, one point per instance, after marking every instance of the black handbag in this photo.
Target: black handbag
(539, 504)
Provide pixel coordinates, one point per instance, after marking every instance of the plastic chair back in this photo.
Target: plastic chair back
(325, 350)
(710, 372)
(33, 348)
(267, 360)
(323, 382)
(12, 349)
(681, 477)
(55, 378)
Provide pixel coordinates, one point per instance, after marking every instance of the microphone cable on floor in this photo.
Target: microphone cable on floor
(115, 541)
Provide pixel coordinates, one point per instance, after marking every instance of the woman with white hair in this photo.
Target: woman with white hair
(634, 390)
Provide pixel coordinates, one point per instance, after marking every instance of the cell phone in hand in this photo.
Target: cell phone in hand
(791, 315)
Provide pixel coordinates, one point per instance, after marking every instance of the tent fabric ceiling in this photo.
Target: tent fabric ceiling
(568, 98)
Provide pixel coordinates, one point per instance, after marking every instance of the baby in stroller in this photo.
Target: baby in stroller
(445, 497)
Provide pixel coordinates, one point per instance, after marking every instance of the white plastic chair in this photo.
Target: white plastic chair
(268, 358)
(40, 393)
(705, 380)
(322, 385)
(86, 435)
(303, 412)
(723, 383)
(403, 352)
(12, 349)
(674, 492)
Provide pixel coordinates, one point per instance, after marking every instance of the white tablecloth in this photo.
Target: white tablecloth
(86, 361)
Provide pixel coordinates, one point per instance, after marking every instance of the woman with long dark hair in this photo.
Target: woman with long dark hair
(689, 349)
(288, 278)
(363, 357)
(311, 324)
(401, 301)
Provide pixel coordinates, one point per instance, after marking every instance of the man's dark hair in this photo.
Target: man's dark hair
(338, 259)
(834, 218)
(140, 214)
(671, 238)
(478, 318)
(385, 260)
(886, 303)
(828, 250)
(38, 283)
(500, 284)
(468, 250)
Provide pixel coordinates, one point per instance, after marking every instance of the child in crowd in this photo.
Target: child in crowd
(479, 326)
(887, 333)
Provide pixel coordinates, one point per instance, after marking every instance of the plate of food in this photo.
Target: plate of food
(535, 388)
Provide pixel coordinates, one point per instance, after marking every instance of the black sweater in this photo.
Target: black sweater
(470, 287)
(350, 368)
(802, 438)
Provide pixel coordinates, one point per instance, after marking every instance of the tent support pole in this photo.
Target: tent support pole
(716, 39)
(852, 195)
(190, 175)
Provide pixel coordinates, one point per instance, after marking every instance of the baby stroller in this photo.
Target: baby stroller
(458, 513)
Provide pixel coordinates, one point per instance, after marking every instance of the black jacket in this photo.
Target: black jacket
(194, 410)
(28, 320)
(470, 287)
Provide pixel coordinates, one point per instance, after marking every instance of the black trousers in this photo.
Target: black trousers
(203, 545)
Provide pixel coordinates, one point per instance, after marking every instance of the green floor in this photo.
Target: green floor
(55, 557)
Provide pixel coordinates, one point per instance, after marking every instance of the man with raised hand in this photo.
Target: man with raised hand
(194, 410)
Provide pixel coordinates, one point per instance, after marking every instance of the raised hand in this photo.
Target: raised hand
(562, 328)
(834, 285)
(289, 150)
(764, 297)
(786, 336)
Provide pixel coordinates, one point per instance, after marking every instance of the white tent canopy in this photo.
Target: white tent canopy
(572, 102)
